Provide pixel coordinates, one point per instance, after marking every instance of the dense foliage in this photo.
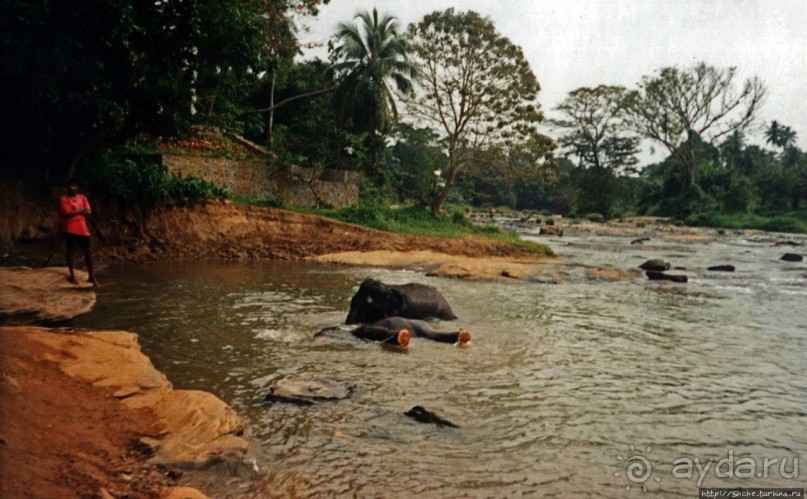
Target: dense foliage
(445, 111)
(595, 133)
(477, 91)
(133, 182)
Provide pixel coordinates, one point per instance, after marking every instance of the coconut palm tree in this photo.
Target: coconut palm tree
(787, 137)
(370, 60)
(773, 133)
(780, 136)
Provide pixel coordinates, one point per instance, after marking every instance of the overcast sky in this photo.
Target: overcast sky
(575, 43)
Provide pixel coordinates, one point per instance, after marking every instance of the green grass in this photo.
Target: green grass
(795, 222)
(419, 221)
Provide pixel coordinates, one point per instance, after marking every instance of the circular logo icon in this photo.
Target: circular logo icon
(638, 468)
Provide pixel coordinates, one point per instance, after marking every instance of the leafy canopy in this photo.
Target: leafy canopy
(679, 106)
(593, 120)
(476, 88)
(370, 62)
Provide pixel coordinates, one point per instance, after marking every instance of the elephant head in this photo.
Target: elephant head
(374, 301)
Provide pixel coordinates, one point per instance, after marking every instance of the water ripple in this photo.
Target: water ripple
(557, 383)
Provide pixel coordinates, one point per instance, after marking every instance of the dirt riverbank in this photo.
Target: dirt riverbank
(225, 230)
(85, 414)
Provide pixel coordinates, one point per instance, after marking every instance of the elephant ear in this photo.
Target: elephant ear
(394, 303)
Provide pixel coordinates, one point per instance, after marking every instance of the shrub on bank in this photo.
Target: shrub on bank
(137, 182)
(418, 220)
(777, 223)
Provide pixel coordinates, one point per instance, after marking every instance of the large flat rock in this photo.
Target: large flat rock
(42, 296)
(445, 265)
(197, 427)
(305, 391)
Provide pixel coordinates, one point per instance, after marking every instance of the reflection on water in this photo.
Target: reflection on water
(559, 381)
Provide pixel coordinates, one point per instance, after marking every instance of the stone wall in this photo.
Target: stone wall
(256, 180)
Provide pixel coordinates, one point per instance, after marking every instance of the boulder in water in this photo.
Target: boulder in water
(656, 265)
(661, 276)
(722, 268)
(641, 240)
(792, 257)
(423, 415)
(551, 230)
(307, 391)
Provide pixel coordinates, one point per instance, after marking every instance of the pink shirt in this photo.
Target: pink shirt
(74, 224)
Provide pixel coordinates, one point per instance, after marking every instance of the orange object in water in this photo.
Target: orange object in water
(403, 337)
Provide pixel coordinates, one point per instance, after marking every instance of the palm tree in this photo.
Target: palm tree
(773, 133)
(370, 59)
(787, 137)
(780, 136)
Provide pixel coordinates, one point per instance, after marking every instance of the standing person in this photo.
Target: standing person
(74, 208)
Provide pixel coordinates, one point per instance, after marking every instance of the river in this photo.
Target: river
(564, 386)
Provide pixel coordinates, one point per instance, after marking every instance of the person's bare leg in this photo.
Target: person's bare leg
(69, 256)
(88, 259)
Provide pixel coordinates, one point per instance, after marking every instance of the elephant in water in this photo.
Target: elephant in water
(375, 300)
(399, 330)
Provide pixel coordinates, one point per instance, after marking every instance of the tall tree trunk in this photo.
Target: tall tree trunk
(375, 145)
(270, 122)
(441, 197)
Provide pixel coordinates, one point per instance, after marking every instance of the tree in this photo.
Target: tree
(593, 119)
(371, 59)
(414, 159)
(680, 106)
(780, 136)
(369, 62)
(476, 89)
(78, 75)
(307, 132)
(281, 45)
(731, 150)
(507, 177)
(596, 133)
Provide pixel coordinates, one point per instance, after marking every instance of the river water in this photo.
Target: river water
(564, 386)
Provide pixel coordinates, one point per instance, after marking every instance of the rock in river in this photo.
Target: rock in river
(792, 257)
(656, 265)
(551, 230)
(661, 276)
(35, 296)
(423, 415)
(722, 268)
(307, 391)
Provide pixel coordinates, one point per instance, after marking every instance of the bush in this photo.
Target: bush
(595, 217)
(784, 224)
(549, 221)
(142, 183)
(267, 202)
(459, 218)
(181, 190)
(781, 223)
